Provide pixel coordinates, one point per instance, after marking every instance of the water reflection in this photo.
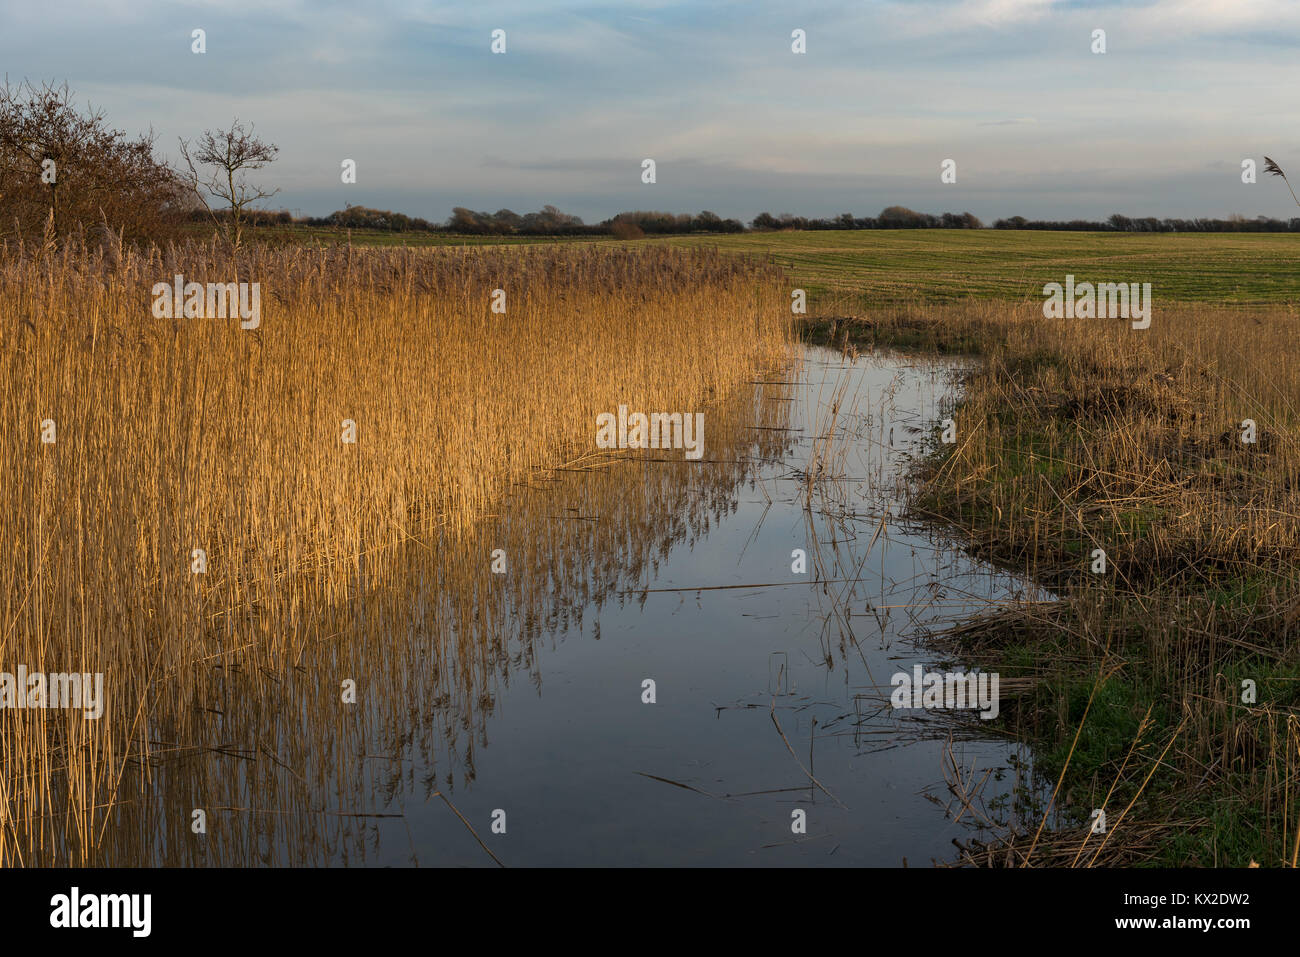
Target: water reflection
(523, 692)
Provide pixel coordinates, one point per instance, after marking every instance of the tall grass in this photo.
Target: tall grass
(174, 435)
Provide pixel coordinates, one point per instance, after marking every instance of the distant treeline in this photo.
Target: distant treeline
(1150, 224)
(893, 217)
(550, 221)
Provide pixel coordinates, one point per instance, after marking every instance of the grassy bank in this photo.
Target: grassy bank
(1077, 437)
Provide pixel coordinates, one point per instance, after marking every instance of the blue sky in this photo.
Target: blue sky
(1038, 124)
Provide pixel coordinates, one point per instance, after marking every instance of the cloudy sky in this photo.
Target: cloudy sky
(1037, 123)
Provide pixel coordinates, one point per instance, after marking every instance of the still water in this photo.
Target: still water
(521, 697)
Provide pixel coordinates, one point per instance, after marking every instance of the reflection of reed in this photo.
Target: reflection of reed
(324, 562)
(289, 776)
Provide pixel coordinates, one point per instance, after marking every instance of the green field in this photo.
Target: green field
(943, 265)
(952, 264)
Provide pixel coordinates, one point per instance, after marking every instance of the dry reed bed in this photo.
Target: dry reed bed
(193, 433)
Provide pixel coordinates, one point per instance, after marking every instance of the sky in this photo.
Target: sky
(1038, 125)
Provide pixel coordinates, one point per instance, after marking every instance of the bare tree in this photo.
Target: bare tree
(63, 169)
(218, 165)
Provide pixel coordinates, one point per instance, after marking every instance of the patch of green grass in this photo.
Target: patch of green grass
(1245, 591)
(1107, 734)
(1028, 454)
(1230, 836)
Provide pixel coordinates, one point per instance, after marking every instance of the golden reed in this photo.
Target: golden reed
(177, 435)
